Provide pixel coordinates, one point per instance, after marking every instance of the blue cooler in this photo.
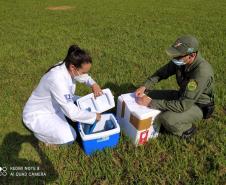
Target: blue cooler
(104, 133)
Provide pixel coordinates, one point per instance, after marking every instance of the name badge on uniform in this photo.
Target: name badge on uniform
(68, 97)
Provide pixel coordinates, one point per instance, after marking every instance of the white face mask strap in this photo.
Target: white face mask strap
(78, 73)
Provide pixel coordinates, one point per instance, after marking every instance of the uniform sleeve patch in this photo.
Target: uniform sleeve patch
(192, 85)
(68, 97)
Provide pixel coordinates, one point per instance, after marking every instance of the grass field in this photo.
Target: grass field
(127, 40)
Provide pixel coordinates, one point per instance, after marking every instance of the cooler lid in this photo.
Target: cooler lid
(100, 104)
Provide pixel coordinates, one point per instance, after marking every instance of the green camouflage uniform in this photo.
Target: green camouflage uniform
(179, 108)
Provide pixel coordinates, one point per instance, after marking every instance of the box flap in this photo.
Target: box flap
(98, 105)
(141, 112)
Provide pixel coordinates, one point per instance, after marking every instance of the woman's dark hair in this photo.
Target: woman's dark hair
(75, 56)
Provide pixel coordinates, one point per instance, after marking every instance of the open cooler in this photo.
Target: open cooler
(104, 133)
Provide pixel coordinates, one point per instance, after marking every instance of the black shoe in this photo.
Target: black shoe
(162, 130)
(188, 133)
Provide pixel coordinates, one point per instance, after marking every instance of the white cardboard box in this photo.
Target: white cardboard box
(135, 120)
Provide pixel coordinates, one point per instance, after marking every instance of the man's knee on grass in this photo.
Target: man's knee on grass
(172, 124)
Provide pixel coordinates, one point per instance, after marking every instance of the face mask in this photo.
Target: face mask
(80, 78)
(178, 62)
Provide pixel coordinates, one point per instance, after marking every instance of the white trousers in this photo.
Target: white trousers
(50, 128)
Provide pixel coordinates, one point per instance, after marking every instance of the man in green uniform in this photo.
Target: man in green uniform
(193, 101)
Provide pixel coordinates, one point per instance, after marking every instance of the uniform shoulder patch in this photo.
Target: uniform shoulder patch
(192, 85)
(68, 97)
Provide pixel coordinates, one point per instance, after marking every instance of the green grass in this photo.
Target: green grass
(127, 40)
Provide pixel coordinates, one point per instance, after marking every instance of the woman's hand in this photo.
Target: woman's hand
(98, 116)
(96, 90)
(140, 91)
(144, 100)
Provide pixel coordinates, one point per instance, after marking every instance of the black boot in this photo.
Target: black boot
(188, 133)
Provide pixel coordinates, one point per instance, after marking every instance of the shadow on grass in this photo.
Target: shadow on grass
(117, 90)
(120, 89)
(129, 88)
(9, 158)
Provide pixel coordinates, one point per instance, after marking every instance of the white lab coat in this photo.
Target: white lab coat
(49, 102)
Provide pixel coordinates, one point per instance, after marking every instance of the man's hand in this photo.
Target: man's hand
(140, 91)
(144, 100)
(96, 90)
(98, 117)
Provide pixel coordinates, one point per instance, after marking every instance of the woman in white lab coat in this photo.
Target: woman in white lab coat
(53, 99)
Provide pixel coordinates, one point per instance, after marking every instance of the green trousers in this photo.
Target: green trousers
(174, 122)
